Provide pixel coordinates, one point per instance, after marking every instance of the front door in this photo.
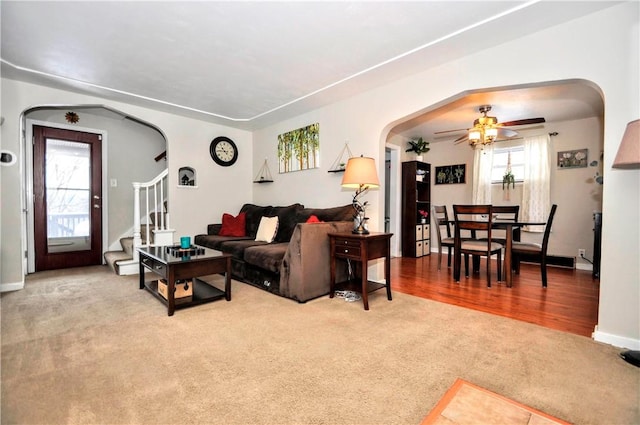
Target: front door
(67, 192)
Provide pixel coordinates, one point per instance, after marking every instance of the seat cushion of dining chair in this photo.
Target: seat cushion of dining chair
(526, 247)
(448, 242)
(480, 246)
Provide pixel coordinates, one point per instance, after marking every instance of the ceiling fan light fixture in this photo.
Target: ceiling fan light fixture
(474, 135)
(491, 134)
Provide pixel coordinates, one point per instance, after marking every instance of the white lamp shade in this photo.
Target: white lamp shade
(628, 155)
(474, 135)
(360, 171)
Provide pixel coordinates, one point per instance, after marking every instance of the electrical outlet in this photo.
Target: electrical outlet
(581, 252)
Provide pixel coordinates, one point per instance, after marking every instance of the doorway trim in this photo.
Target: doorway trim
(28, 212)
(392, 189)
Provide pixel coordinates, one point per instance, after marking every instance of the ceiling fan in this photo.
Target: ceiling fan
(486, 129)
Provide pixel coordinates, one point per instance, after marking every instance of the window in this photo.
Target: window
(501, 159)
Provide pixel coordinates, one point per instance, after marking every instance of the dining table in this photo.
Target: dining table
(509, 226)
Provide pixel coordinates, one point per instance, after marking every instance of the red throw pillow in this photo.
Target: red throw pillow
(233, 226)
(314, 219)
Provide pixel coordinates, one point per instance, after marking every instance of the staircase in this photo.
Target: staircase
(151, 198)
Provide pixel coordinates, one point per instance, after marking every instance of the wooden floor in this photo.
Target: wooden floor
(569, 303)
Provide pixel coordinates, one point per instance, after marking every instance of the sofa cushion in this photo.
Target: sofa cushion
(287, 220)
(237, 247)
(268, 257)
(216, 241)
(233, 226)
(344, 213)
(267, 229)
(253, 214)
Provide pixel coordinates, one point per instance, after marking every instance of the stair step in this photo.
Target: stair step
(127, 245)
(112, 258)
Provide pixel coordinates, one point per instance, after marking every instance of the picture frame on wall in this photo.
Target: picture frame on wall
(577, 158)
(451, 174)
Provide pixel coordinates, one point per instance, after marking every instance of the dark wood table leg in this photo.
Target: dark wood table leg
(387, 269)
(332, 281)
(364, 259)
(365, 292)
(141, 266)
(171, 288)
(508, 276)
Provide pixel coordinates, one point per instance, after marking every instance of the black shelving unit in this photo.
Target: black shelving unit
(416, 196)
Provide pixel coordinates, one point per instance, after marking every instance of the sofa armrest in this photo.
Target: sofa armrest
(213, 229)
(305, 272)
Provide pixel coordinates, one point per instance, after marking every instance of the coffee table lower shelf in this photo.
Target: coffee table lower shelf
(202, 293)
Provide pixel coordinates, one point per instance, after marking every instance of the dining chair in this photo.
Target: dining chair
(506, 213)
(526, 250)
(441, 218)
(474, 218)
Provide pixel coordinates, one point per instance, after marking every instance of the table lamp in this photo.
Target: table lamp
(628, 155)
(360, 174)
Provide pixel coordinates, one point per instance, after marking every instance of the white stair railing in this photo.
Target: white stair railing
(153, 190)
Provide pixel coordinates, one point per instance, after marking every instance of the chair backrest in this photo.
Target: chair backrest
(547, 229)
(441, 218)
(473, 218)
(506, 212)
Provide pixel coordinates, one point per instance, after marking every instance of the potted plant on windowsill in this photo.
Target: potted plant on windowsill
(419, 146)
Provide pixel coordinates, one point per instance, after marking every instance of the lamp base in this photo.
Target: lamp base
(362, 231)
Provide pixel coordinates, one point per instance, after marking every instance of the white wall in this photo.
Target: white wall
(219, 189)
(571, 51)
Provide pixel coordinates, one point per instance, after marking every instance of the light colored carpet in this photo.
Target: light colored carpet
(466, 403)
(88, 347)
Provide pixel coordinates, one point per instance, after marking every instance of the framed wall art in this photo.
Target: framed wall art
(299, 149)
(451, 174)
(573, 159)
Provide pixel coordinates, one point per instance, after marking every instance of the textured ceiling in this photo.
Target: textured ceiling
(250, 64)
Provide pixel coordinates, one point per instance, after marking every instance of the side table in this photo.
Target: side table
(361, 248)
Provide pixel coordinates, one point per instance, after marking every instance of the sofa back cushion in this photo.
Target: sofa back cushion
(253, 214)
(343, 213)
(287, 220)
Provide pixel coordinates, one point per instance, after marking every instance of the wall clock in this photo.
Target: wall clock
(223, 151)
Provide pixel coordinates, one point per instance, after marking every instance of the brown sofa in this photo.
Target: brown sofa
(296, 264)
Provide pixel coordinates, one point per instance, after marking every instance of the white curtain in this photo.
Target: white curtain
(482, 167)
(536, 190)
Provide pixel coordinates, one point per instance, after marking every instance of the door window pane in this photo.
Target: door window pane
(68, 191)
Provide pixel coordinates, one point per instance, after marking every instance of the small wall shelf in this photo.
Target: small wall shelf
(340, 163)
(264, 175)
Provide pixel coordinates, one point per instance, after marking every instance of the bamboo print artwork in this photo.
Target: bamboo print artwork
(299, 149)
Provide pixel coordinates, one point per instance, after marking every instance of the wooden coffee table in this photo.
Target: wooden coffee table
(172, 264)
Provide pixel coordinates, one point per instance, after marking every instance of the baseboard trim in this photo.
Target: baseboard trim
(616, 340)
(8, 287)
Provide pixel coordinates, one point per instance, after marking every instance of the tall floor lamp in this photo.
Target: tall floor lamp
(360, 174)
(628, 157)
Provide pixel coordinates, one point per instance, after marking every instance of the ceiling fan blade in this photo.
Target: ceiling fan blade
(523, 122)
(450, 131)
(505, 132)
(460, 139)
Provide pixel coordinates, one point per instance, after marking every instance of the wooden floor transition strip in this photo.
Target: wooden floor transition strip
(466, 403)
